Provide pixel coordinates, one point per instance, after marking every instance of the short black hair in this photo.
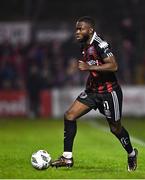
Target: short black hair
(88, 20)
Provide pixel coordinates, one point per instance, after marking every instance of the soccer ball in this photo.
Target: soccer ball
(41, 159)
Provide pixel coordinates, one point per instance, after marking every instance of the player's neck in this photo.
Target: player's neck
(90, 39)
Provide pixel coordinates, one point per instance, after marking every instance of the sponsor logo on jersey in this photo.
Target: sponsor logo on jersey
(92, 62)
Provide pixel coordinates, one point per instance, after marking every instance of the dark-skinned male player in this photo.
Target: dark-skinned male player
(102, 92)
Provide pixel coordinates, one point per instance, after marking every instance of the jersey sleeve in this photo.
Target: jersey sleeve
(104, 49)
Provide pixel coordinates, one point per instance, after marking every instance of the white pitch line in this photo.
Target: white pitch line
(105, 129)
(138, 141)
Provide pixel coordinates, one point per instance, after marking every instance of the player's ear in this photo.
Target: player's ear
(91, 30)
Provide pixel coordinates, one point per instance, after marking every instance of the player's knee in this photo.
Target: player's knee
(69, 116)
(115, 129)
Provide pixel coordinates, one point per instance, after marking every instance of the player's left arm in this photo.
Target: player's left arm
(110, 64)
(109, 60)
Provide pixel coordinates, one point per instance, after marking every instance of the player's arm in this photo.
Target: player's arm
(109, 61)
(110, 64)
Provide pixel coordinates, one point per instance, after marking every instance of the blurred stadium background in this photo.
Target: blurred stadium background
(38, 54)
(39, 80)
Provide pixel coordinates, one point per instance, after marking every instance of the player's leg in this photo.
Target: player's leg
(123, 136)
(76, 110)
(113, 111)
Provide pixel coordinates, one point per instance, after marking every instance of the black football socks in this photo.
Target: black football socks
(70, 129)
(123, 137)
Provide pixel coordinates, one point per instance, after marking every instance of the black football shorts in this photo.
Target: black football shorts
(109, 103)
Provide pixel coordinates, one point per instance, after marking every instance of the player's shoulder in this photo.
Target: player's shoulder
(100, 42)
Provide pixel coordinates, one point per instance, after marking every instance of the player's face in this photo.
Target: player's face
(83, 31)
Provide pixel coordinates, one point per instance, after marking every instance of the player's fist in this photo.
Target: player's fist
(83, 66)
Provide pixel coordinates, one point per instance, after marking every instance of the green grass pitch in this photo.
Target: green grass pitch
(97, 153)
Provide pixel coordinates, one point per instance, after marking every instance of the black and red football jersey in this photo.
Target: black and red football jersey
(93, 54)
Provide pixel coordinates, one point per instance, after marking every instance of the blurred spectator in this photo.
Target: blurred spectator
(128, 30)
(7, 73)
(140, 71)
(126, 62)
(47, 77)
(33, 87)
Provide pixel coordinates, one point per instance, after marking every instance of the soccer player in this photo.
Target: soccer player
(102, 92)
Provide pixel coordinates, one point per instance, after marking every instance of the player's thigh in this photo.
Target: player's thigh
(111, 106)
(76, 110)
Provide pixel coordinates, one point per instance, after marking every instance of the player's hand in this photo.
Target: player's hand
(83, 66)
